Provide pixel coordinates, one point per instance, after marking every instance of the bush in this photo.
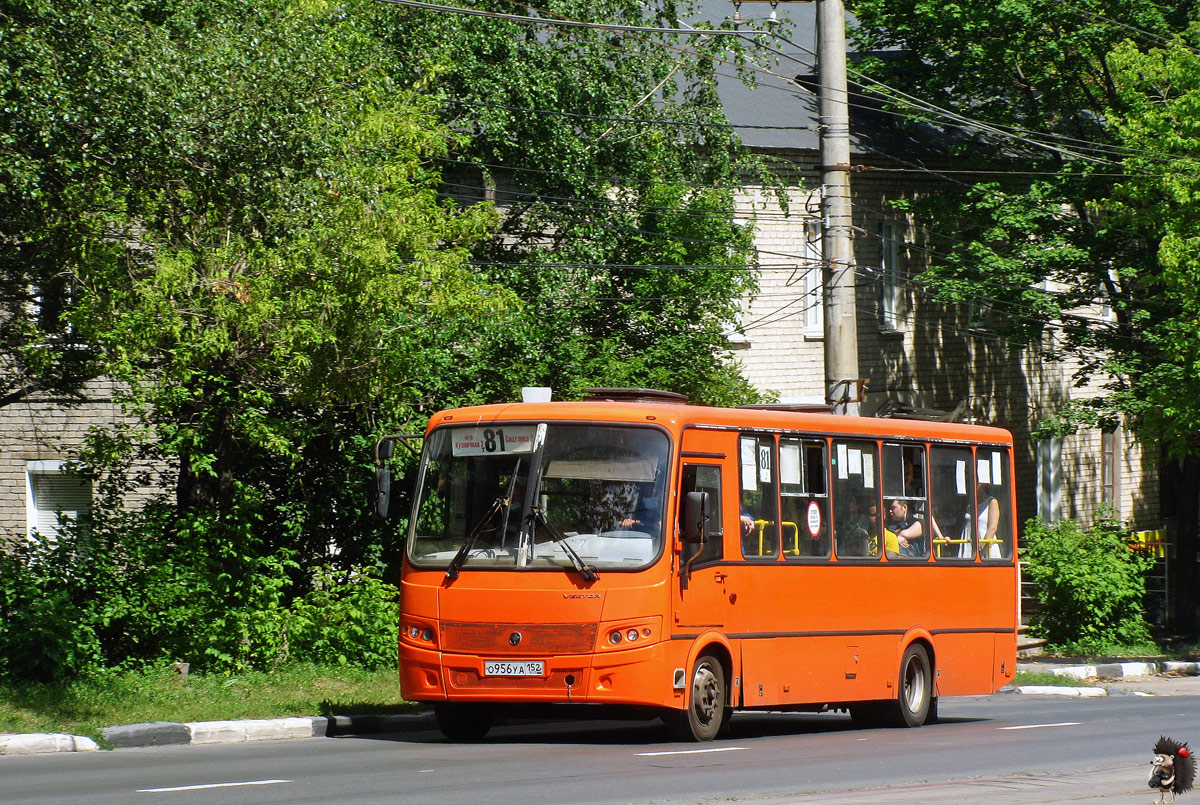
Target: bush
(147, 587)
(1090, 585)
(350, 618)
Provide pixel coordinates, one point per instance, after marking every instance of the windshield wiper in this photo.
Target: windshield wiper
(501, 503)
(587, 571)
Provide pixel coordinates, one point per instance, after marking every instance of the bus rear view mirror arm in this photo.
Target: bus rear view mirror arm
(384, 448)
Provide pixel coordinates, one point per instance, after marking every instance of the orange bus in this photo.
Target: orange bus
(633, 550)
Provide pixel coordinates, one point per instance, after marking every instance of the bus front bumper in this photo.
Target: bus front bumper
(636, 676)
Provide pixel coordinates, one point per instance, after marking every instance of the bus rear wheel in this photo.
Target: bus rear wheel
(460, 721)
(914, 699)
(706, 709)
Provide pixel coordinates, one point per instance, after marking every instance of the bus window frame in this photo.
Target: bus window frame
(922, 514)
(805, 439)
(757, 436)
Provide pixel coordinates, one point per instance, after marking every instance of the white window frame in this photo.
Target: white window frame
(814, 281)
(893, 316)
(1049, 479)
(33, 469)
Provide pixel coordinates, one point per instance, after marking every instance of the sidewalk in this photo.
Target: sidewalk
(1152, 678)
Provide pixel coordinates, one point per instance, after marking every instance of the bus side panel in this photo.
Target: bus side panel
(827, 633)
(816, 670)
(960, 667)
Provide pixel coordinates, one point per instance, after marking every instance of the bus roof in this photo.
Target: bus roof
(676, 416)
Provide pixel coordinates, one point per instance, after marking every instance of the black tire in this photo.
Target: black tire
(914, 694)
(462, 722)
(706, 703)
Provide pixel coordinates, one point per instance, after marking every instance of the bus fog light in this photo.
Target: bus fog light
(427, 635)
(631, 635)
(414, 632)
(646, 632)
(614, 637)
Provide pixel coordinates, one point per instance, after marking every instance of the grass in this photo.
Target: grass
(1046, 678)
(83, 707)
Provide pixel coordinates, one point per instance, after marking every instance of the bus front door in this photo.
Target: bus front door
(702, 594)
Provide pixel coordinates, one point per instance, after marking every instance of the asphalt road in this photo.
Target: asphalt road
(994, 749)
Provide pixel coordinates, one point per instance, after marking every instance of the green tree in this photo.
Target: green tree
(248, 205)
(1092, 106)
(609, 154)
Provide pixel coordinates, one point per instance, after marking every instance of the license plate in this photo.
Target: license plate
(508, 668)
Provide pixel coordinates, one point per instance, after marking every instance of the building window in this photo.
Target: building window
(1110, 475)
(893, 296)
(54, 498)
(814, 276)
(1049, 479)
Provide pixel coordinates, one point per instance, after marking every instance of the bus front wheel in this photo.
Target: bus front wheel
(460, 721)
(706, 708)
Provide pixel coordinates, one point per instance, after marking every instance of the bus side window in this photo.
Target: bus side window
(905, 502)
(951, 488)
(804, 501)
(703, 478)
(759, 500)
(856, 503)
(993, 520)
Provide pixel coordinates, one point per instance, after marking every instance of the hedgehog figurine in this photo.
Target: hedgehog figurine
(1173, 769)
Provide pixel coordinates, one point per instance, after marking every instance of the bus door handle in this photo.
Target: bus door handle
(720, 577)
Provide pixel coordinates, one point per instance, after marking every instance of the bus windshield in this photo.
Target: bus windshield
(527, 496)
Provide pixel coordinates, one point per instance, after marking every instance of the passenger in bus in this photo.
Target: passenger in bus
(914, 486)
(857, 522)
(910, 533)
(988, 523)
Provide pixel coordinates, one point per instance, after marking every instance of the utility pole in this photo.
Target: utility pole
(843, 387)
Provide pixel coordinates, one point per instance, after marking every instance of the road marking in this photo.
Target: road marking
(1039, 726)
(692, 751)
(207, 785)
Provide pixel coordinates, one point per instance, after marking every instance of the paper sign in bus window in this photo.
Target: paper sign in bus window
(764, 463)
(997, 476)
(789, 464)
(868, 468)
(983, 468)
(960, 477)
(843, 463)
(748, 462)
(856, 464)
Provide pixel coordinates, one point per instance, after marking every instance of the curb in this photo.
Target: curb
(1055, 690)
(1107, 670)
(164, 733)
(36, 743)
(1115, 670)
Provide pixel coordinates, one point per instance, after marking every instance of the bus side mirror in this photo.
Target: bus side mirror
(695, 516)
(384, 448)
(383, 492)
